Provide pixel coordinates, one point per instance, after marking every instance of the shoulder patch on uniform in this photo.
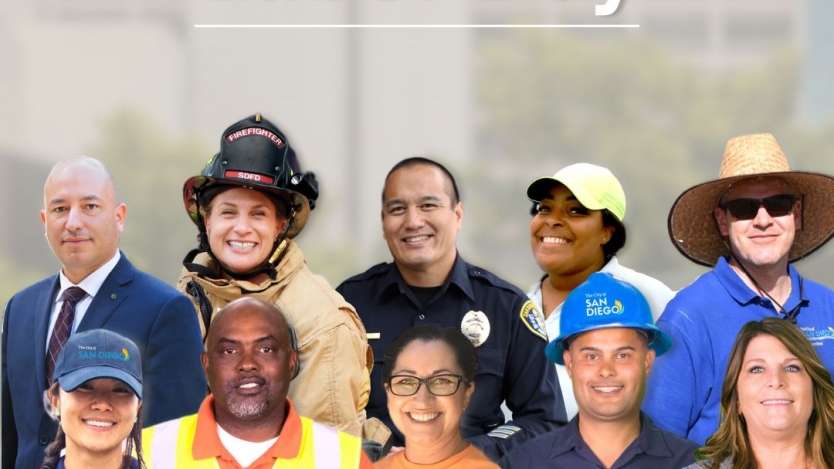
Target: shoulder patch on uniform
(533, 319)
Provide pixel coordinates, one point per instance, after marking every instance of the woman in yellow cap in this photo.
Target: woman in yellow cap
(577, 230)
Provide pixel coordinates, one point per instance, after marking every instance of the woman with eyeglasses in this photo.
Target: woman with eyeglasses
(429, 376)
(96, 396)
(777, 403)
(577, 229)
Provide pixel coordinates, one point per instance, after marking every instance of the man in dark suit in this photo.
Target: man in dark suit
(84, 220)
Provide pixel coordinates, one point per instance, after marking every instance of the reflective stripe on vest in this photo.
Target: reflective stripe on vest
(168, 446)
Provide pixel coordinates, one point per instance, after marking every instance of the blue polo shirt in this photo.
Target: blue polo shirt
(684, 388)
(564, 448)
(511, 361)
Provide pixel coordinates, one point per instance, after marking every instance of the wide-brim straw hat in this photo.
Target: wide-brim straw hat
(692, 225)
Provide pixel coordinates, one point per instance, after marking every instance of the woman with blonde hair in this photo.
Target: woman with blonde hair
(777, 403)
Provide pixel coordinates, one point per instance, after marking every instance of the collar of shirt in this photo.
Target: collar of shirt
(459, 277)
(553, 320)
(743, 294)
(93, 282)
(650, 441)
(134, 463)
(91, 285)
(287, 446)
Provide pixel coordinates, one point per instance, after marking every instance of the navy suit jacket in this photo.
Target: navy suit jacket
(143, 308)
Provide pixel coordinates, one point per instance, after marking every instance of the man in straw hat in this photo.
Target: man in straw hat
(749, 225)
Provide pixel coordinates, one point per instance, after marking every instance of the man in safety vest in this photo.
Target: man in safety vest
(248, 421)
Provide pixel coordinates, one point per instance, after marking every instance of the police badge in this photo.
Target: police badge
(475, 326)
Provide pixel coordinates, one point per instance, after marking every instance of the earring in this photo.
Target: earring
(57, 412)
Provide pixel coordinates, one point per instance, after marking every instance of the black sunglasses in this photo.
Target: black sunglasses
(746, 209)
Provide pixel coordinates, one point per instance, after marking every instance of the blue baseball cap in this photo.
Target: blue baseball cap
(604, 302)
(98, 353)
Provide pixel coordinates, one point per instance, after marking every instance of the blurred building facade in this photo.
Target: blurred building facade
(353, 101)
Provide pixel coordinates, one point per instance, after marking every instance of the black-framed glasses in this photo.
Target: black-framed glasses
(438, 385)
(777, 205)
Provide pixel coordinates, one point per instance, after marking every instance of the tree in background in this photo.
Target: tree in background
(550, 98)
(150, 165)
(544, 99)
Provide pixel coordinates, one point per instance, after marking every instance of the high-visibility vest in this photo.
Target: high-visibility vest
(168, 446)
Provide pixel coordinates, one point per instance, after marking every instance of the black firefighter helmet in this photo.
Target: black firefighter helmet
(255, 154)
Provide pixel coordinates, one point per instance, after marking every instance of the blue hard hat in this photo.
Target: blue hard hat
(604, 302)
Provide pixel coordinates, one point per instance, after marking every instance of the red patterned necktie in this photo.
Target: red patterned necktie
(63, 327)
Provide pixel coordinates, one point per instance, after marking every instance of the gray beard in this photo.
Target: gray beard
(247, 408)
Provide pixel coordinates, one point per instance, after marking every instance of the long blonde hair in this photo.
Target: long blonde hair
(731, 441)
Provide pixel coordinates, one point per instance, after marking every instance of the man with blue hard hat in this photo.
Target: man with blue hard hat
(608, 343)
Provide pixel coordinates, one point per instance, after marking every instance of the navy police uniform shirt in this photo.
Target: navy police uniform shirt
(564, 447)
(511, 361)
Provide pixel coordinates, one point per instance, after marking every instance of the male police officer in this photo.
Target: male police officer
(428, 282)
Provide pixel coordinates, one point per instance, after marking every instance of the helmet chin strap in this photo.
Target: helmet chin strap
(278, 249)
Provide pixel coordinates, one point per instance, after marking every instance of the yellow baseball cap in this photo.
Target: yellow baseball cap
(595, 187)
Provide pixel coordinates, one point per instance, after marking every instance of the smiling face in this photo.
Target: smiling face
(242, 226)
(609, 368)
(82, 217)
(775, 392)
(764, 240)
(97, 417)
(249, 364)
(566, 237)
(420, 222)
(430, 424)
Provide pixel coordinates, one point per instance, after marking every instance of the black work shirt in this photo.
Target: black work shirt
(512, 366)
(564, 448)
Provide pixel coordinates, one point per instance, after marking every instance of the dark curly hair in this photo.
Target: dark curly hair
(462, 348)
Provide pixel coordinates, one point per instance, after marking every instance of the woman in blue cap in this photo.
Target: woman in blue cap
(96, 396)
(577, 230)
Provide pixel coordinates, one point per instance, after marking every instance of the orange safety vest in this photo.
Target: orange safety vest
(168, 445)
